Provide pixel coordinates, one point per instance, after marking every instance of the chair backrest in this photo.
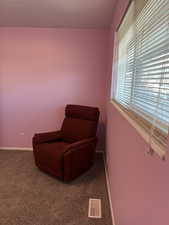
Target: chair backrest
(80, 123)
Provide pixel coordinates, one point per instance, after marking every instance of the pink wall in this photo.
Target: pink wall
(139, 182)
(41, 70)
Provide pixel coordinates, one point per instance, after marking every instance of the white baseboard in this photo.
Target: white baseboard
(16, 148)
(108, 190)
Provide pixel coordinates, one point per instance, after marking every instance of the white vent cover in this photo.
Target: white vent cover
(94, 208)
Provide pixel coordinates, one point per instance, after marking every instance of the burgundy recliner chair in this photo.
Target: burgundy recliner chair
(69, 152)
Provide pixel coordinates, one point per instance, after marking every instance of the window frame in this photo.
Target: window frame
(132, 117)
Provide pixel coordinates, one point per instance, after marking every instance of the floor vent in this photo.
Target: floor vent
(94, 208)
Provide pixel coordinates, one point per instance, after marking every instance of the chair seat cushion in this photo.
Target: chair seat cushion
(50, 155)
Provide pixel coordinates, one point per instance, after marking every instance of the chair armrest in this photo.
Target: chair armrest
(46, 137)
(81, 143)
(78, 158)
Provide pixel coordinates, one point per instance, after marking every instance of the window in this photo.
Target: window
(142, 84)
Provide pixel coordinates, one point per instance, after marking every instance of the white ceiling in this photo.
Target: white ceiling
(56, 13)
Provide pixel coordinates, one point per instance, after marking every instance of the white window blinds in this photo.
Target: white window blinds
(143, 66)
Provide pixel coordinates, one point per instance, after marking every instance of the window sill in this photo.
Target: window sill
(156, 147)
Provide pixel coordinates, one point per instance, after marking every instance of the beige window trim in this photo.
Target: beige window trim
(144, 134)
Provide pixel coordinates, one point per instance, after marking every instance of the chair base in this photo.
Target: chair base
(60, 176)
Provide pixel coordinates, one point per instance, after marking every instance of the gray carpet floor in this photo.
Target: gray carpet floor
(31, 197)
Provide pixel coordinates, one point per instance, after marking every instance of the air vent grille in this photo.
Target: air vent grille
(94, 208)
